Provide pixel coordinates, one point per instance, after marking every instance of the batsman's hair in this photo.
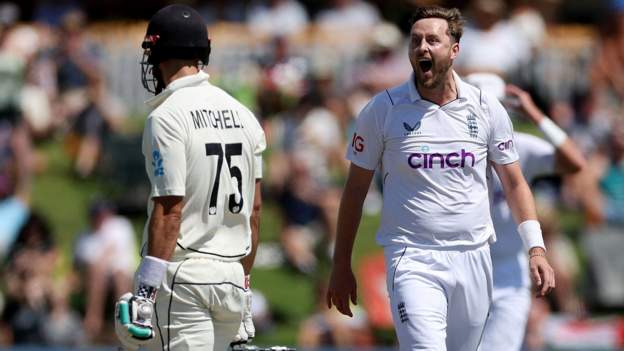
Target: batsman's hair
(452, 16)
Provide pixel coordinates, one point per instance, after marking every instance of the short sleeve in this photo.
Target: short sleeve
(260, 146)
(165, 158)
(501, 148)
(366, 145)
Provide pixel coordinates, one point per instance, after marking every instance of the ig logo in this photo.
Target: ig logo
(357, 143)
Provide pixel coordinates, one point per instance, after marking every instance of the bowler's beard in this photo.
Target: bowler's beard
(440, 70)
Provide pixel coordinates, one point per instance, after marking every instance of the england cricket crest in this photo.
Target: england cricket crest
(473, 127)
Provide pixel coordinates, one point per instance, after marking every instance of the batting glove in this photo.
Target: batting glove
(133, 321)
(246, 330)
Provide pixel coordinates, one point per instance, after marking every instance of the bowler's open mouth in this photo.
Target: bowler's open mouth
(425, 65)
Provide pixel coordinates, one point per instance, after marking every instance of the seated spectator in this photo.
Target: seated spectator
(607, 68)
(32, 295)
(603, 182)
(313, 145)
(105, 258)
(490, 43)
(223, 10)
(15, 182)
(348, 16)
(386, 64)
(84, 102)
(272, 18)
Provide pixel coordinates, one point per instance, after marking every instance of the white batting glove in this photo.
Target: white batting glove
(246, 330)
(133, 321)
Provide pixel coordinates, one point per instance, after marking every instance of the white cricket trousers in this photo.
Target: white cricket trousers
(439, 298)
(199, 306)
(506, 325)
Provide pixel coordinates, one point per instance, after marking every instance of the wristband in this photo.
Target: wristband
(531, 234)
(552, 132)
(151, 272)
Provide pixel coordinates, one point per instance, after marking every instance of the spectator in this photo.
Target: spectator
(32, 296)
(312, 147)
(272, 18)
(603, 182)
(348, 16)
(490, 43)
(607, 69)
(223, 10)
(386, 64)
(84, 100)
(105, 259)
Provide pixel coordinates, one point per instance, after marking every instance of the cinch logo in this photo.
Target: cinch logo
(505, 145)
(436, 160)
(357, 143)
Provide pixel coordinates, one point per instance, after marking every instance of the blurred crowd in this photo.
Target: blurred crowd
(306, 71)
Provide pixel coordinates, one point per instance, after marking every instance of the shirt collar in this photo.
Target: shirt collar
(187, 81)
(415, 95)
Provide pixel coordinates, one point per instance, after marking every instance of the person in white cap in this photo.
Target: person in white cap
(557, 155)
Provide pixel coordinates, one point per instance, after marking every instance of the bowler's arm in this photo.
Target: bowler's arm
(350, 212)
(520, 200)
(342, 284)
(517, 191)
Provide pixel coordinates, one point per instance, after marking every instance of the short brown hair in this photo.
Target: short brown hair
(452, 16)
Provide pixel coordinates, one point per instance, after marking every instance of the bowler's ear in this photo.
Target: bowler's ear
(454, 50)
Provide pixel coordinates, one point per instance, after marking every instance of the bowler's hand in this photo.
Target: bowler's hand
(541, 272)
(342, 287)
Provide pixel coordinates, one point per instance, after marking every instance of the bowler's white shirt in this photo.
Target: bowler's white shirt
(433, 161)
(202, 144)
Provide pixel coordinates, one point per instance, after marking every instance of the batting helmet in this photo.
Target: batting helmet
(174, 32)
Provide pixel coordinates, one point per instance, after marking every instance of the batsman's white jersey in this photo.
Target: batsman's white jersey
(433, 161)
(202, 144)
(435, 224)
(511, 297)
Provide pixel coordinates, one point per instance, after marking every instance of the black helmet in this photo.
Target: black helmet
(174, 32)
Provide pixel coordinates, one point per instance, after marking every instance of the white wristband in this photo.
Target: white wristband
(552, 132)
(152, 271)
(531, 234)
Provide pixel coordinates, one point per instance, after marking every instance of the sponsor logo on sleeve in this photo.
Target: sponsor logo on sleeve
(157, 163)
(505, 145)
(357, 143)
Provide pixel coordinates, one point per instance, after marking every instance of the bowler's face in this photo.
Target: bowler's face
(431, 51)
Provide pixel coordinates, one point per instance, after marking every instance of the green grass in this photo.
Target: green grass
(63, 199)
